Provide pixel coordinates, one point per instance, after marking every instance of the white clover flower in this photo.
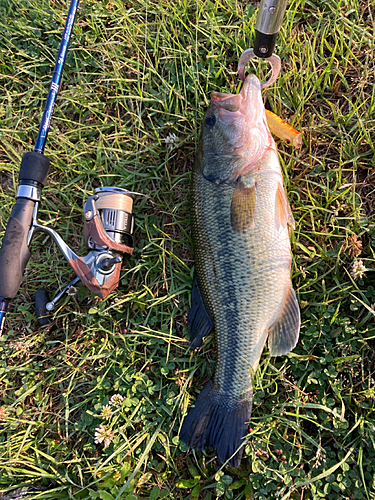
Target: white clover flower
(106, 412)
(116, 400)
(358, 269)
(171, 140)
(103, 433)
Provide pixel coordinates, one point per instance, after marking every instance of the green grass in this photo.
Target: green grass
(137, 72)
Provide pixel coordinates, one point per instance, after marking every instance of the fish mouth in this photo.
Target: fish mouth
(230, 105)
(228, 102)
(241, 129)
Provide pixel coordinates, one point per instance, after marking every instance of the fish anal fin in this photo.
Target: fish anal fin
(199, 322)
(283, 334)
(242, 209)
(284, 216)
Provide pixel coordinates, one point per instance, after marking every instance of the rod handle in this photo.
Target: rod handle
(3, 311)
(14, 253)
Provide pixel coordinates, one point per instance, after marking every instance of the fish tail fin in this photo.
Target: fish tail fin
(215, 421)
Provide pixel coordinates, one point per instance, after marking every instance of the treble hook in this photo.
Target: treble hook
(274, 61)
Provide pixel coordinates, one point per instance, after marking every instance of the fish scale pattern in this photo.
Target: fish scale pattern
(240, 217)
(244, 278)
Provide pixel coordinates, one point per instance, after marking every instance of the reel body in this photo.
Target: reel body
(108, 234)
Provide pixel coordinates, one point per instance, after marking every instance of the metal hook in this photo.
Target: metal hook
(274, 61)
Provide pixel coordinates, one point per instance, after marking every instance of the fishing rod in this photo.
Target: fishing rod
(268, 23)
(108, 218)
(15, 254)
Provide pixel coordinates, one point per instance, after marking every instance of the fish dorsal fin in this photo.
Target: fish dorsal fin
(199, 322)
(283, 334)
(284, 214)
(242, 209)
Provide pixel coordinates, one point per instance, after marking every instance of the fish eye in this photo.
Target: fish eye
(210, 120)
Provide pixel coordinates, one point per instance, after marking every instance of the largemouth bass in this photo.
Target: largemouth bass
(240, 221)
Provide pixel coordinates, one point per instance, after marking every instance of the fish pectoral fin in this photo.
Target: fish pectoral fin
(199, 322)
(242, 209)
(284, 333)
(284, 216)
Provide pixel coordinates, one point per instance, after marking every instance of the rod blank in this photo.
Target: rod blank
(56, 79)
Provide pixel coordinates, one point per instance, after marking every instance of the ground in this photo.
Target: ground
(137, 81)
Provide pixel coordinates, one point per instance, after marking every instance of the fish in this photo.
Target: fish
(241, 223)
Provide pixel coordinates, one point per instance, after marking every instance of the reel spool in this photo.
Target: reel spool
(114, 208)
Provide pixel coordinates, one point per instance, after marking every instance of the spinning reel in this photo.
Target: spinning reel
(108, 234)
(108, 216)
